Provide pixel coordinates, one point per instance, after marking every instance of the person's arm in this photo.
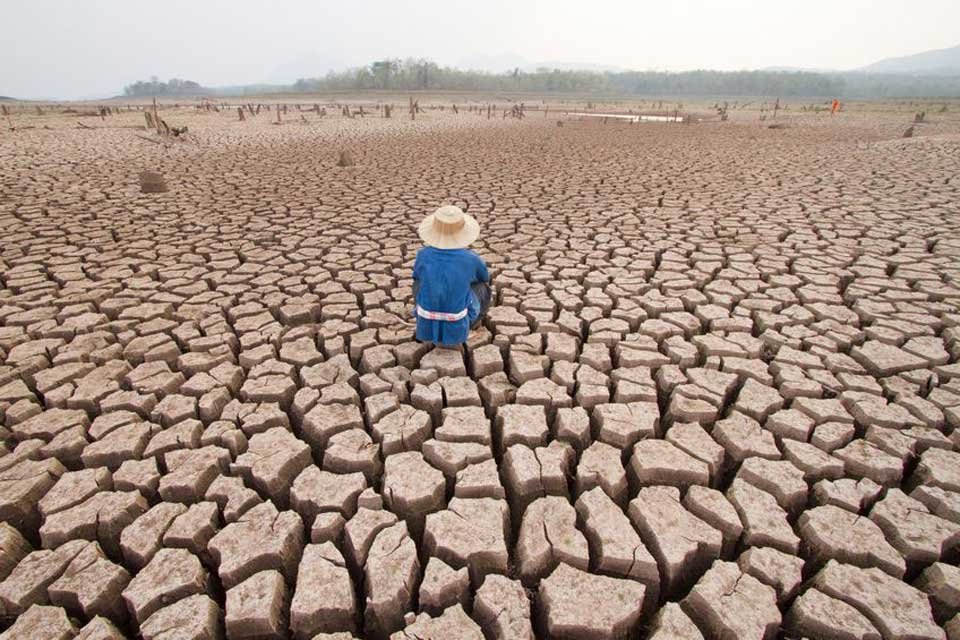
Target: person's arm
(482, 274)
(416, 267)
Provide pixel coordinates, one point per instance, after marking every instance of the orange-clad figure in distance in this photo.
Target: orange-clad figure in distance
(835, 106)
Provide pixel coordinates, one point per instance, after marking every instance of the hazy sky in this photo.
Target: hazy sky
(92, 48)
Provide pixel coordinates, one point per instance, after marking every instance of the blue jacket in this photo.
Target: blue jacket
(444, 277)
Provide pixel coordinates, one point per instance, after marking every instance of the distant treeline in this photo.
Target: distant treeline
(414, 75)
(424, 75)
(155, 87)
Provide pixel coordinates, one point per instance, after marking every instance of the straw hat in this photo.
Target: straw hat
(449, 228)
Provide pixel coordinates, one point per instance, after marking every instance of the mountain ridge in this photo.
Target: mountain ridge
(931, 62)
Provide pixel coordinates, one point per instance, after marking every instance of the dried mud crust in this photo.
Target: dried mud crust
(717, 394)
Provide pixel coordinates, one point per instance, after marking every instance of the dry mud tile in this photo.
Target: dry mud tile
(671, 623)
(896, 609)
(392, 575)
(452, 457)
(817, 615)
(501, 606)
(453, 622)
(616, 549)
(138, 475)
(779, 478)
(659, 462)
(27, 583)
(921, 537)
(576, 604)
(601, 466)
(937, 468)
(256, 607)
(171, 575)
(945, 504)
(573, 426)
(764, 521)
(479, 480)
(90, 585)
(757, 400)
(327, 527)
(694, 440)
(814, 463)
(863, 459)
(102, 517)
(127, 442)
(883, 360)
(49, 623)
(464, 424)
(729, 603)
(521, 424)
(353, 450)
(459, 391)
(446, 362)
(99, 628)
(831, 436)
(361, 530)
(472, 533)
(485, 360)
(271, 462)
(185, 434)
(326, 420)
(742, 437)
(22, 485)
(853, 495)
(190, 473)
(823, 410)
(829, 532)
(405, 429)
(496, 391)
(547, 537)
(48, 424)
(192, 618)
(232, 496)
(532, 473)
(941, 582)
(712, 507)
(141, 540)
(683, 544)
(412, 488)
(324, 600)
(261, 539)
(315, 492)
(13, 548)
(192, 530)
(774, 568)
(622, 425)
(225, 434)
(790, 423)
(443, 587)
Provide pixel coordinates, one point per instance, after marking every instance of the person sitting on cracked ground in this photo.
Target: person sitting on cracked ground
(451, 284)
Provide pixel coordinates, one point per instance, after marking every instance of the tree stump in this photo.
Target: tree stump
(909, 132)
(346, 159)
(240, 113)
(152, 182)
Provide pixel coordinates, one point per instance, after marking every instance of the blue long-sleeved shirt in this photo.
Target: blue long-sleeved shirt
(444, 277)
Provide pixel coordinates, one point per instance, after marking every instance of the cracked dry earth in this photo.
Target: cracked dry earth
(717, 395)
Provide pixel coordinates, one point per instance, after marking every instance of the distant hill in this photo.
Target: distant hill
(7, 99)
(934, 62)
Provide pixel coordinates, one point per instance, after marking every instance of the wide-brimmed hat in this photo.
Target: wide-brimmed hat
(449, 228)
